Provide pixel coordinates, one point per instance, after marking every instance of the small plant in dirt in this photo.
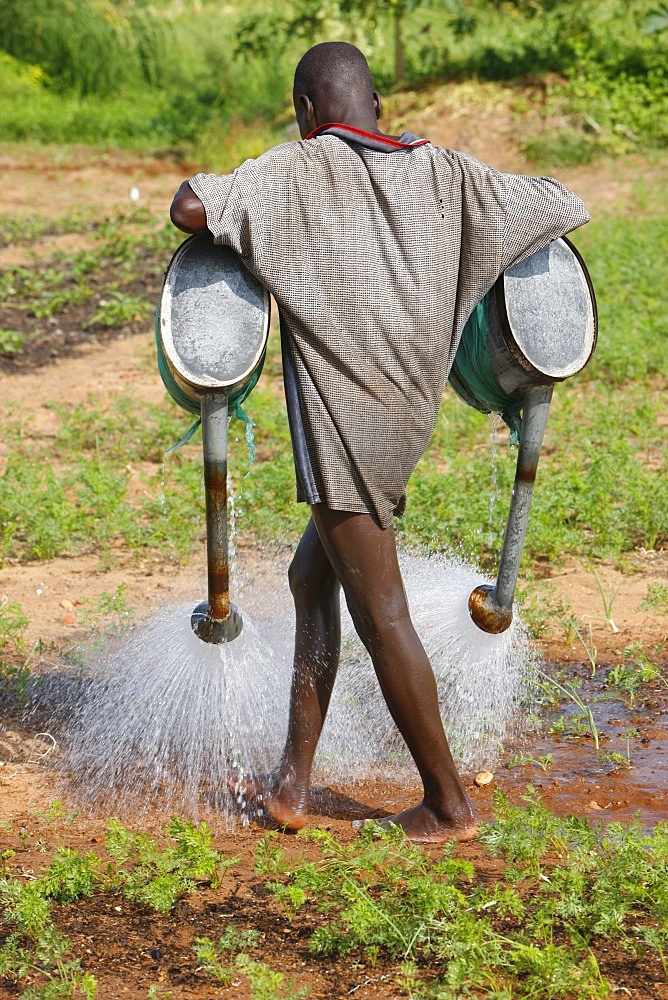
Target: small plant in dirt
(269, 858)
(587, 643)
(542, 606)
(656, 599)
(616, 759)
(635, 671)
(266, 984)
(120, 309)
(56, 816)
(608, 601)
(15, 682)
(15, 675)
(112, 609)
(219, 960)
(158, 877)
(35, 951)
(553, 690)
(13, 623)
(521, 759)
(11, 341)
(70, 875)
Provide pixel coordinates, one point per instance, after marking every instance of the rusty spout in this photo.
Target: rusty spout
(491, 608)
(485, 611)
(216, 620)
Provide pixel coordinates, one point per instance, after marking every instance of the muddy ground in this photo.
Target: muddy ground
(128, 947)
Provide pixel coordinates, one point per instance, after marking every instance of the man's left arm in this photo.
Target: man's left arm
(187, 211)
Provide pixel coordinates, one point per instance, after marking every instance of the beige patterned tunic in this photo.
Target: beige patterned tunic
(376, 254)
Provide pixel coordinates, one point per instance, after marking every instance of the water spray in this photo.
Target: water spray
(537, 326)
(212, 335)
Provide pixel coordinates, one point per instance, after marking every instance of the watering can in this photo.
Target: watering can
(212, 329)
(537, 326)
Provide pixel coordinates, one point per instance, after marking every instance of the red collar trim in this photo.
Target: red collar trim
(360, 133)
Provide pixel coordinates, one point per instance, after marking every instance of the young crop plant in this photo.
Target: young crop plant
(11, 341)
(656, 599)
(383, 897)
(70, 875)
(229, 958)
(636, 670)
(607, 603)
(219, 960)
(120, 309)
(588, 645)
(541, 606)
(520, 759)
(35, 951)
(266, 984)
(158, 877)
(269, 858)
(112, 609)
(567, 690)
(13, 623)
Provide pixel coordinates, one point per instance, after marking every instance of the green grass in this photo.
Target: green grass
(602, 487)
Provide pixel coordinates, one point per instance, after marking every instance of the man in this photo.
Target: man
(376, 249)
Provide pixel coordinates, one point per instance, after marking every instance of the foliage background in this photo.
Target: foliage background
(185, 72)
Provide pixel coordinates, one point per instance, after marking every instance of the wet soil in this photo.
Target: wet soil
(128, 947)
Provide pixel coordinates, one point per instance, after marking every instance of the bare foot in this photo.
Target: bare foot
(276, 794)
(422, 826)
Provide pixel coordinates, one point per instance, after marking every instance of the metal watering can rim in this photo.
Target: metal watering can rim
(499, 299)
(201, 382)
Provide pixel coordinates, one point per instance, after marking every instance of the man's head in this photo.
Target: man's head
(333, 84)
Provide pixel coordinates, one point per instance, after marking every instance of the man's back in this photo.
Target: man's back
(376, 252)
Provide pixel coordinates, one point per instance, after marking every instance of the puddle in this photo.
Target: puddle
(627, 776)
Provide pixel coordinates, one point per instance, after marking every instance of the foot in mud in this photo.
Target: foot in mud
(422, 826)
(277, 794)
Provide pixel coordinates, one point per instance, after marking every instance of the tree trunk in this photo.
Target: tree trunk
(399, 76)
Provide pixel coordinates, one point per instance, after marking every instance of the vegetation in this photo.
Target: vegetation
(566, 894)
(74, 492)
(157, 75)
(214, 83)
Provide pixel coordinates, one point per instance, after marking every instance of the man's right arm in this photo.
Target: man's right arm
(187, 211)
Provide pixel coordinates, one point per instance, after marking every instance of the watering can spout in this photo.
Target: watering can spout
(212, 333)
(491, 608)
(485, 611)
(537, 326)
(215, 630)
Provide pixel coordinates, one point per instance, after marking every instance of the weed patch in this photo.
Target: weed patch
(565, 894)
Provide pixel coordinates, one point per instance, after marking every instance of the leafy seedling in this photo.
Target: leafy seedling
(588, 645)
(11, 341)
(218, 960)
(629, 677)
(656, 600)
(520, 759)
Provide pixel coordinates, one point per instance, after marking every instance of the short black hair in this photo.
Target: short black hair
(332, 66)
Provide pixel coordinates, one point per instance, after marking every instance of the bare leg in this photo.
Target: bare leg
(352, 549)
(364, 558)
(316, 593)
